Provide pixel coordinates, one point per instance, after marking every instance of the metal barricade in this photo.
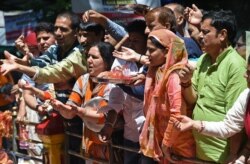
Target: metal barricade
(16, 138)
(124, 148)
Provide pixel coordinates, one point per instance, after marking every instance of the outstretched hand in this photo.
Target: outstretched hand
(57, 105)
(130, 55)
(7, 65)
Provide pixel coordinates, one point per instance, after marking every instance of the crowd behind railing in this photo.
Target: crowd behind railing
(170, 87)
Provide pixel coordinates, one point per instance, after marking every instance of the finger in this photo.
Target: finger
(3, 72)
(157, 159)
(189, 66)
(125, 48)
(195, 7)
(117, 53)
(86, 16)
(102, 138)
(21, 37)
(7, 55)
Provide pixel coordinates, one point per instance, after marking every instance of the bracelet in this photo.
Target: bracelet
(186, 85)
(202, 127)
(139, 61)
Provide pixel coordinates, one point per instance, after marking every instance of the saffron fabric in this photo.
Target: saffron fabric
(83, 90)
(4, 98)
(163, 100)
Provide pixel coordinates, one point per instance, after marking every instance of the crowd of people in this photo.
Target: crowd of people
(179, 90)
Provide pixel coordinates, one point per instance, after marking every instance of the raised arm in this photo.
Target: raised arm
(115, 30)
(185, 80)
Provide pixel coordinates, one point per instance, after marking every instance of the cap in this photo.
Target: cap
(30, 39)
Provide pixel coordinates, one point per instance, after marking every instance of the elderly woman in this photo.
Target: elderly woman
(99, 59)
(163, 99)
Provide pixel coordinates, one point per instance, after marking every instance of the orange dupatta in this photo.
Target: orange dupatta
(159, 102)
(93, 146)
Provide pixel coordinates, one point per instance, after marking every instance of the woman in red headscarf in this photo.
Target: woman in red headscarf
(163, 99)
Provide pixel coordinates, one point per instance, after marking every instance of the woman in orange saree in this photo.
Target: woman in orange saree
(163, 99)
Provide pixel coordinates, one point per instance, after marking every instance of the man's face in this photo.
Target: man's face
(153, 23)
(209, 37)
(64, 34)
(85, 38)
(137, 42)
(45, 40)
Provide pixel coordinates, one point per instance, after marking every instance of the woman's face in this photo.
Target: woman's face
(156, 55)
(95, 62)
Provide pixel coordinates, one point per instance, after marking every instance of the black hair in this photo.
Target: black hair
(44, 26)
(106, 50)
(156, 42)
(165, 15)
(137, 25)
(74, 18)
(223, 19)
(92, 27)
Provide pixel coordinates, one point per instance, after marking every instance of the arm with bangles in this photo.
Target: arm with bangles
(189, 93)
